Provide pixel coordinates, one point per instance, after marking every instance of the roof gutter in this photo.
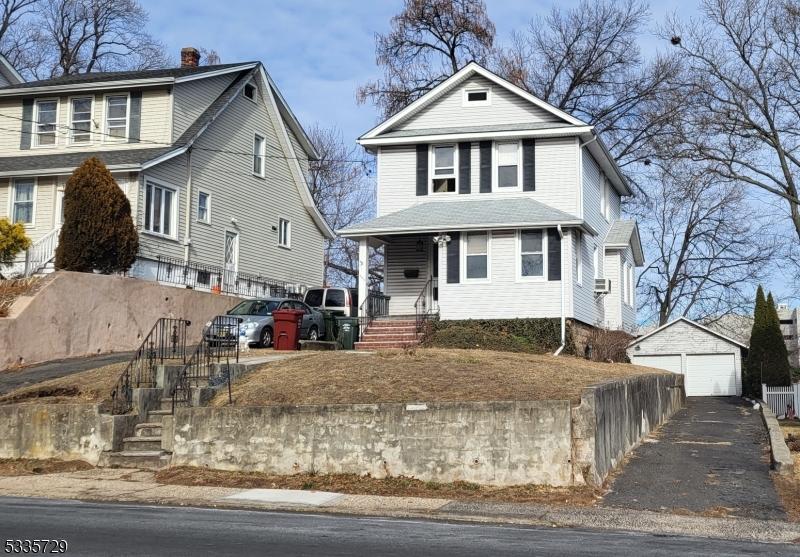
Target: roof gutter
(66, 170)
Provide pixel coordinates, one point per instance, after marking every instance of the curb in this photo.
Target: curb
(780, 456)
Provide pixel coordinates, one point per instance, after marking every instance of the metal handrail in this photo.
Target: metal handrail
(375, 305)
(421, 308)
(165, 341)
(220, 343)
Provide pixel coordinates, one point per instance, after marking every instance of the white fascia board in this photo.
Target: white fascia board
(10, 72)
(635, 243)
(607, 163)
(99, 85)
(690, 322)
(223, 71)
(406, 140)
(66, 170)
(294, 123)
(470, 69)
(165, 157)
(352, 233)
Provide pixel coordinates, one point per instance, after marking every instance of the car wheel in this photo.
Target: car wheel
(313, 333)
(266, 337)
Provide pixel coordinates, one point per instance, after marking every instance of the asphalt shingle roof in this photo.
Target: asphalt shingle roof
(620, 232)
(96, 77)
(468, 213)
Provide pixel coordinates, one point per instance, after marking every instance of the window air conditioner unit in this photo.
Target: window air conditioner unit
(602, 285)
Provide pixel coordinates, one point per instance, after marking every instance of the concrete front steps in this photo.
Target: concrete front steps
(143, 450)
(389, 333)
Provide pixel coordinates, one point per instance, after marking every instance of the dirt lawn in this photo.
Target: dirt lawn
(30, 467)
(90, 386)
(789, 486)
(424, 375)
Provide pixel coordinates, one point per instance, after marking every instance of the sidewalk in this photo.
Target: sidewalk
(135, 486)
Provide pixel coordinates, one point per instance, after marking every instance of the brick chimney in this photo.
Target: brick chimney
(190, 57)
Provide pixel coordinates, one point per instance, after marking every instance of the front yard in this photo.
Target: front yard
(93, 386)
(789, 486)
(425, 375)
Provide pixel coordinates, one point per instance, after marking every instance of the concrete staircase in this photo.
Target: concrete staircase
(389, 332)
(143, 450)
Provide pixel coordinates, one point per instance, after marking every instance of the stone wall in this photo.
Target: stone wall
(63, 431)
(78, 314)
(615, 416)
(496, 443)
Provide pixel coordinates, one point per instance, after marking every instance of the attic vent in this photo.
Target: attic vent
(476, 97)
(250, 91)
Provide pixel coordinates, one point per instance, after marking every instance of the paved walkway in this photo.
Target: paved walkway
(14, 379)
(133, 486)
(711, 457)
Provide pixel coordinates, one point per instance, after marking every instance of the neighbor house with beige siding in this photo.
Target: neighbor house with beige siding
(492, 204)
(211, 158)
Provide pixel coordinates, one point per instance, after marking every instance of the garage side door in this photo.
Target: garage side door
(710, 375)
(670, 362)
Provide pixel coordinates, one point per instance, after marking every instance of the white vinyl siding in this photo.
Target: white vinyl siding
(192, 98)
(449, 110)
(401, 254)
(44, 204)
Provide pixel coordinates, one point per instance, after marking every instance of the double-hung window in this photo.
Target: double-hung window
(259, 152)
(116, 117)
(531, 243)
(477, 256)
(444, 169)
(80, 120)
(46, 118)
(204, 207)
(159, 207)
(284, 233)
(22, 210)
(508, 168)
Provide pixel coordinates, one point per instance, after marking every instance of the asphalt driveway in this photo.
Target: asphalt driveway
(711, 457)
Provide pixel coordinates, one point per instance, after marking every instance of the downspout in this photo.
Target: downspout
(187, 237)
(563, 316)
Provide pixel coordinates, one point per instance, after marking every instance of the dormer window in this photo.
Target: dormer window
(250, 92)
(444, 169)
(477, 97)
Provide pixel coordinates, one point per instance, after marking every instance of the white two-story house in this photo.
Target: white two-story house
(493, 204)
(211, 158)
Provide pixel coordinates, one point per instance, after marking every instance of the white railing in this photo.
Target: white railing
(778, 398)
(41, 252)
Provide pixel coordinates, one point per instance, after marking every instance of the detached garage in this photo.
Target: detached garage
(711, 362)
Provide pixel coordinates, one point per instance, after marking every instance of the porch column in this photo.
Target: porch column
(363, 275)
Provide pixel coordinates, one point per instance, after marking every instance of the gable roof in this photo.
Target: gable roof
(9, 72)
(467, 214)
(624, 233)
(692, 323)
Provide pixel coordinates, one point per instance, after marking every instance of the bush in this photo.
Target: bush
(509, 335)
(605, 345)
(98, 232)
(13, 240)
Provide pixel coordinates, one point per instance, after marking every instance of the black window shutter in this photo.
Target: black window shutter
(464, 166)
(486, 166)
(528, 165)
(422, 169)
(135, 126)
(454, 258)
(27, 124)
(553, 254)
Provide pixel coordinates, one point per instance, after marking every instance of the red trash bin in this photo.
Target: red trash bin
(287, 328)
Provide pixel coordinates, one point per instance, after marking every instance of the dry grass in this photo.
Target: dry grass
(91, 386)
(426, 375)
(30, 467)
(789, 486)
(12, 289)
(366, 485)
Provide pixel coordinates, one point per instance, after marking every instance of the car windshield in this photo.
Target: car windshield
(314, 297)
(254, 307)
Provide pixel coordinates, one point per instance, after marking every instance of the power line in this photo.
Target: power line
(164, 144)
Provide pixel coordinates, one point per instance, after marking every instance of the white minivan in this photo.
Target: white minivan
(340, 301)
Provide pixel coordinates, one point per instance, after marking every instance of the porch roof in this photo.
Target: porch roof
(468, 214)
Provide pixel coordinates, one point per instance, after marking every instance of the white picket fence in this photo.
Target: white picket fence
(778, 398)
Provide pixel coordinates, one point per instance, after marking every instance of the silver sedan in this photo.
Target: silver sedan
(258, 327)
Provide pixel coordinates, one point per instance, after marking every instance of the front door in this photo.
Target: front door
(231, 260)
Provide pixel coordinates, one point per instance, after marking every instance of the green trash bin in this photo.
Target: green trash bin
(331, 330)
(348, 332)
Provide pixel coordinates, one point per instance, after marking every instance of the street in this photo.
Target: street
(109, 529)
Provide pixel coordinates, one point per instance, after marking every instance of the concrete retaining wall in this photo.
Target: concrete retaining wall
(78, 314)
(615, 416)
(63, 431)
(497, 443)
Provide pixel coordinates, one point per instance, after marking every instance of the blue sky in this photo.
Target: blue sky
(319, 51)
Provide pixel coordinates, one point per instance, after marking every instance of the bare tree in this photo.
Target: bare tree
(429, 40)
(341, 190)
(706, 250)
(587, 62)
(18, 34)
(210, 57)
(743, 84)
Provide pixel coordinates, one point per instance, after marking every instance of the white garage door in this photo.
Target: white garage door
(670, 362)
(710, 375)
